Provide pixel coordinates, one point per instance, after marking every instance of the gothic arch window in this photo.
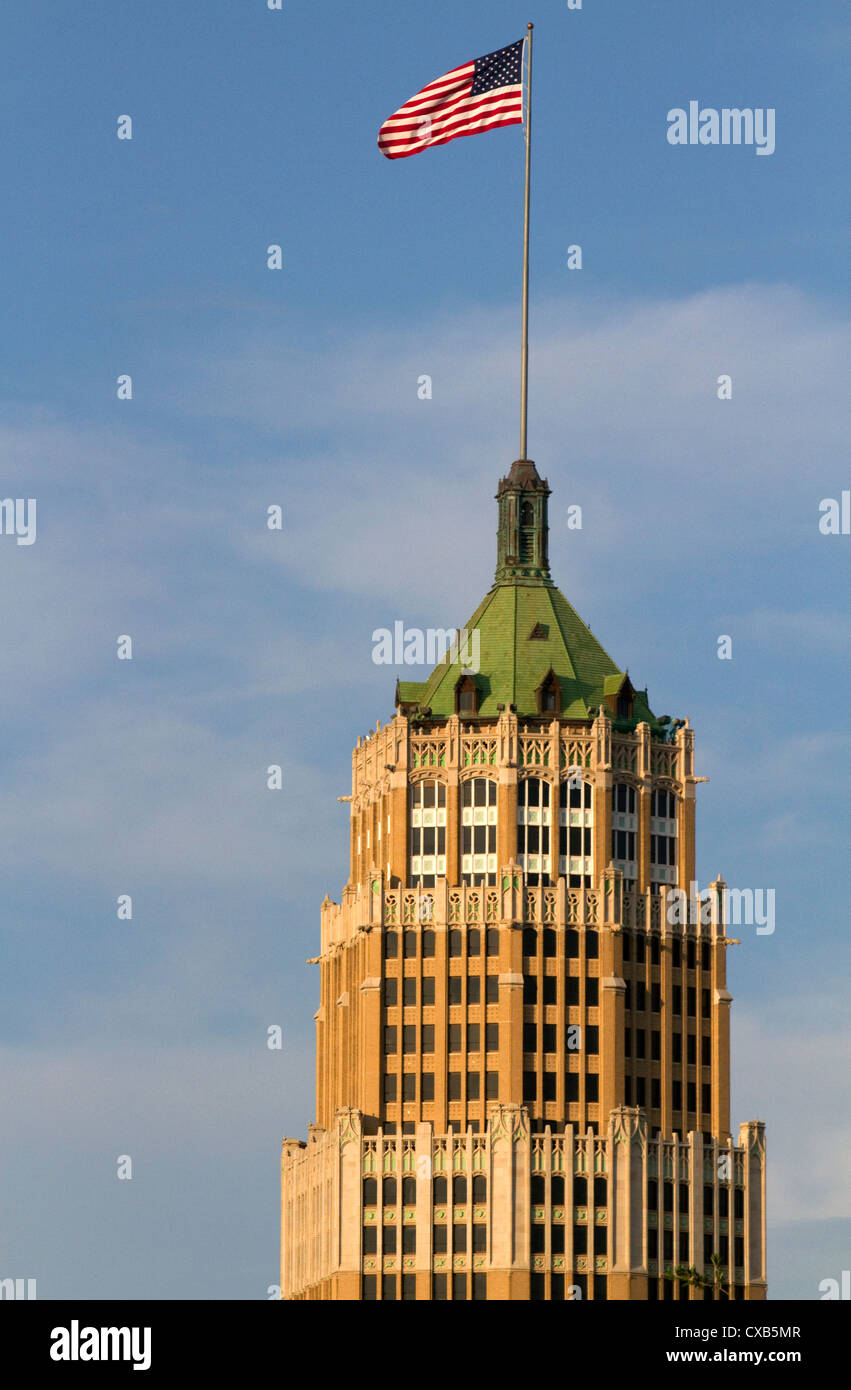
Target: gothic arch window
(624, 831)
(478, 831)
(534, 829)
(663, 838)
(576, 832)
(466, 696)
(549, 694)
(527, 514)
(427, 801)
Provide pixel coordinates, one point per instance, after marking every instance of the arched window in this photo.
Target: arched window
(663, 838)
(534, 821)
(428, 833)
(466, 696)
(624, 830)
(575, 833)
(549, 694)
(478, 831)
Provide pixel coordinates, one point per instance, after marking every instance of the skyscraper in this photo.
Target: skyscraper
(523, 1036)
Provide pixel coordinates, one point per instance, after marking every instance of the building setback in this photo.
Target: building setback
(523, 1058)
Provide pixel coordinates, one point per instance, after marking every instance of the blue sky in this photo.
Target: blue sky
(251, 388)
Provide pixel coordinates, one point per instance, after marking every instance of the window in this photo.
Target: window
(572, 990)
(491, 1085)
(571, 1086)
(480, 1238)
(548, 1031)
(466, 696)
(389, 1040)
(474, 989)
(409, 1086)
(491, 989)
(474, 942)
(592, 1039)
(576, 820)
(455, 989)
(592, 945)
(409, 945)
(592, 1088)
(492, 942)
(427, 1092)
(530, 1037)
(549, 695)
(592, 992)
(409, 1038)
(534, 821)
(478, 831)
(473, 1083)
(409, 1240)
(453, 1089)
(549, 1085)
(459, 1190)
(428, 940)
(391, 993)
(530, 1086)
(530, 989)
(663, 837)
(455, 1037)
(473, 1033)
(624, 827)
(389, 1089)
(428, 832)
(455, 946)
(391, 945)
(439, 1239)
(409, 990)
(428, 1037)
(491, 1037)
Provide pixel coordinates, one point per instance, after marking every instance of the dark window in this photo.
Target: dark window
(549, 942)
(439, 1240)
(704, 1002)
(440, 1190)
(409, 1086)
(706, 1098)
(409, 1038)
(391, 993)
(491, 989)
(428, 940)
(655, 1092)
(592, 1089)
(491, 1037)
(474, 942)
(409, 990)
(548, 1031)
(409, 1240)
(683, 1199)
(473, 1085)
(550, 984)
(391, 945)
(704, 955)
(549, 1085)
(676, 1095)
(571, 1083)
(676, 953)
(640, 1043)
(473, 1035)
(572, 988)
(492, 942)
(491, 1085)
(530, 1086)
(409, 945)
(655, 998)
(571, 943)
(592, 1039)
(677, 1047)
(438, 1286)
(480, 1238)
(530, 989)
(480, 1188)
(690, 955)
(455, 989)
(592, 992)
(459, 1190)
(691, 1001)
(455, 1037)
(627, 1042)
(678, 999)
(474, 989)
(580, 1191)
(389, 1088)
(655, 1045)
(479, 1286)
(539, 1239)
(453, 1090)
(427, 1092)
(455, 944)
(459, 1240)
(428, 990)
(739, 1203)
(580, 1240)
(601, 1192)
(592, 945)
(409, 1288)
(530, 941)
(530, 1037)
(389, 1039)
(691, 1096)
(370, 1192)
(370, 1240)
(388, 1240)
(369, 1288)
(691, 1049)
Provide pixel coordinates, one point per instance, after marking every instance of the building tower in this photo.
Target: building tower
(523, 1036)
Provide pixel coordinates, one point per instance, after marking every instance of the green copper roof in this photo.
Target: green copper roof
(526, 629)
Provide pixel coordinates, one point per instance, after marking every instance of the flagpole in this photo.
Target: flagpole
(524, 351)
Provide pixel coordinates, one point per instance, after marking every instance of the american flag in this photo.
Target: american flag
(480, 95)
